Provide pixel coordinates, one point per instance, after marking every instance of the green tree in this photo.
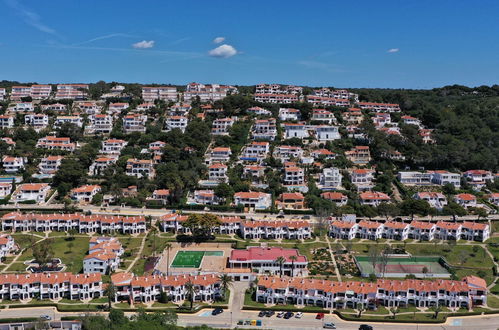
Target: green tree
(191, 292)
(110, 292)
(202, 224)
(293, 258)
(225, 283)
(280, 261)
(43, 252)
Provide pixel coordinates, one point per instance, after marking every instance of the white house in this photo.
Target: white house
(134, 123)
(362, 178)
(253, 200)
(295, 130)
(13, 164)
(85, 193)
(30, 192)
(113, 146)
(373, 198)
(444, 177)
(326, 133)
(264, 129)
(466, 200)
(330, 178)
(75, 120)
(6, 121)
(435, 199)
(217, 172)
(49, 165)
(173, 122)
(286, 114)
(5, 189)
(37, 121)
(140, 168)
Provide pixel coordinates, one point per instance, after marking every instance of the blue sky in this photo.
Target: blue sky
(406, 44)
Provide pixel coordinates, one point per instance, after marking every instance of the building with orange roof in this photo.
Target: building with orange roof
(30, 192)
(218, 155)
(264, 129)
(134, 123)
(221, 126)
(5, 189)
(113, 146)
(253, 200)
(255, 151)
(446, 230)
(7, 245)
(466, 200)
(100, 164)
(140, 168)
(85, 193)
(148, 288)
(276, 98)
(343, 229)
(475, 231)
(335, 197)
(422, 230)
(56, 143)
(493, 198)
(74, 120)
(53, 286)
(381, 107)
(16, 221)
(217, 172)
(373, 198)
(264, 260)
(359, 155)
(100, 123)
(370, 230)
(390, 293)
(160, 195)
(291, 201)
(165, 93)
(279, 229)
(396, 230)
(258, 111)
(204, 197)
(103, 255)
(295, 130)
(12, 164)
(478, 179)
(71, 92)
(435, 199)
(176, 122)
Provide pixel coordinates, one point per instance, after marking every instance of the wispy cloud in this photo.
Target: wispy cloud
(223, 51)
(107, 36)
(179, 41)
(218, 40)
(30, 17)
(393, 50)
(143, 44)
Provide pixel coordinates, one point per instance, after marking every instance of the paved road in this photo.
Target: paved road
(307, 322)
(159, 212)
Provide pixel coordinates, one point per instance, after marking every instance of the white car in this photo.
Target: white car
(46, 317)
(299, 315)
(280, 314)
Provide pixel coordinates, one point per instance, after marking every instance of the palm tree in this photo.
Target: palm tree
(189, 287)
(168, 246)
(394, 311)
(437, 309)
(293, 259)
(110, 292)
(280, 260)
(360, 308)
(225, 282)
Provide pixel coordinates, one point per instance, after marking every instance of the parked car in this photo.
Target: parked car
(269, 313)
(299, 315)
(289, 315)
(262, 314)
(365, 327)
(46, 317)
(319, 316)
(280, 314)
(329, 325)
(217, 311)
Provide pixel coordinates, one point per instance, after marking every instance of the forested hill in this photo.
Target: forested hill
(465, 120)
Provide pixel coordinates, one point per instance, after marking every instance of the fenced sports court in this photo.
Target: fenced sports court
(423, 267)
(192, 259)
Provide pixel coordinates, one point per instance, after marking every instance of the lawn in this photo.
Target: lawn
(492, 301)
(457, 255)
(71, 257)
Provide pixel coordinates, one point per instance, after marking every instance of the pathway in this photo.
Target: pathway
(334, 260)
(484, 246)
(139, 254)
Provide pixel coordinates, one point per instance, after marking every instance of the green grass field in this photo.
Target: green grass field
(188, 259)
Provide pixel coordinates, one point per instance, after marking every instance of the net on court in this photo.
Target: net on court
(401, 266)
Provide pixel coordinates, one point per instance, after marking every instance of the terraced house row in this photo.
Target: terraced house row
(419, 230)
(51, 286)
(16, 221)
(471, 291)
(268, 229)
(149, 288)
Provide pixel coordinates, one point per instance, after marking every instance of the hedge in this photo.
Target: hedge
(19, 320)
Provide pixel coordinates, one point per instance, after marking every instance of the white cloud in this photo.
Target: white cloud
(393, 50)
(218, 40)
(30, 17)
(223, 51)
(143, 44)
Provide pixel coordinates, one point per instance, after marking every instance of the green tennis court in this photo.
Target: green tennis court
(192, 259)
(426, 266)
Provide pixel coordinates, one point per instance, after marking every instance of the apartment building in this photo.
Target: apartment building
(408, 120)
(49, 165)
(276, 98)
(327, 101)
(88, 107)
(160, 195)
(322, 115)
(134, 123)
(422, 231)
(320, 154)
(294, 176)
(174, 222)
(37, 121)
(19, 92)
(217, 172)
(373, 198)
(100, 164)
(335, 93)
(140, 168)
(264, 129)
(265, 261)
(84, 194)
(61, 120)
(56, 143)
(146, 289)
(113, 146)
(466, 200)
(3, 94)
(103, 255)
(30, 192)
(13, 164)
(100, 124)
(470, 291)
(253, 200)
(412, 178)
(258, 111)
(294, 229)
(164, 93)
(435, 199)
(442, 178)
(116, 108)
(338, 198)
(381, 107)
(41, 92)
(53, 286)
(56, 107)
(71, 91)
(295, 130)
(207, 93)
(5, 189)
(343, 229)
(396, 230)
(359, 155)
(6, 121)
(21, 107)
(291, 201)
(173, 122)
(222, 126)
(326, 133)
(362, 178)
(145, 106)
(478, 179)
(255, 151)
(16, 221)
(218, 155)
(330, 179)
(289, 114)
(205, 197)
